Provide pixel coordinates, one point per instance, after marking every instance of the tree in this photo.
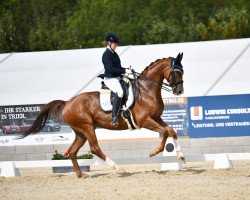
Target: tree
(227, 23)
(49, 31)
(38, 25)
(34, 25)
(15, 25)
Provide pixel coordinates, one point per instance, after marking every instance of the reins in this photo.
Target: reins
(164, 86)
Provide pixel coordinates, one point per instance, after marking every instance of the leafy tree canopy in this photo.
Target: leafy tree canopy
(40, 25)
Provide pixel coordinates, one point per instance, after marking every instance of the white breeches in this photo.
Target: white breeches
(114, 85)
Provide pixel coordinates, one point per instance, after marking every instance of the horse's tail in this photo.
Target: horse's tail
(51, 109)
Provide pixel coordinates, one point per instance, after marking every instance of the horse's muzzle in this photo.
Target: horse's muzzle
(178, 90)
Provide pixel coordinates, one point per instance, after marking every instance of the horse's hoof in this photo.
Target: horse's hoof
(119, 170)
(82, 175)
(182, 159)
(152, 153)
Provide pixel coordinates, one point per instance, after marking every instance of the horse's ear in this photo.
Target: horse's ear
(179, 57)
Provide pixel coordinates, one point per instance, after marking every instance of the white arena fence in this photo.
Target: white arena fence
(221, 161)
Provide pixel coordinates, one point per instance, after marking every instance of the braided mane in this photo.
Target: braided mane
(153, 64)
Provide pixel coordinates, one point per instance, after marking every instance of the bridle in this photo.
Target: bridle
(165, 86)
(175, 68)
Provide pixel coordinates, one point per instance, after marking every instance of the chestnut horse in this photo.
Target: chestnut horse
(83, 112)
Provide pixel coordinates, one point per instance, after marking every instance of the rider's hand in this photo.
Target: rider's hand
(128, 71)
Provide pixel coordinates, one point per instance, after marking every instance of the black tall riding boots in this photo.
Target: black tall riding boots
(116, 109)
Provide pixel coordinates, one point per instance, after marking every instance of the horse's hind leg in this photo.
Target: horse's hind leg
(73, 150)
(95, 148)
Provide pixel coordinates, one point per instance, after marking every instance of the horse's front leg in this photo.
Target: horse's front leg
(172, 134)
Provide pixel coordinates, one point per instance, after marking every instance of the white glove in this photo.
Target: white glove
(128, 71)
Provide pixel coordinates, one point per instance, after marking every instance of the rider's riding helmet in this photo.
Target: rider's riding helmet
(111, 37)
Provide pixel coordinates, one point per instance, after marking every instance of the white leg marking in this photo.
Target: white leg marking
(177, 145)
(117, 168)
(110, 162)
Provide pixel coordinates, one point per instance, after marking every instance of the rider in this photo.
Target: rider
(113, 73)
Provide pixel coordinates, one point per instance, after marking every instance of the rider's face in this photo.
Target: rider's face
(113, 45)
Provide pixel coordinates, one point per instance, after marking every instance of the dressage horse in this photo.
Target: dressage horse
(83, 112)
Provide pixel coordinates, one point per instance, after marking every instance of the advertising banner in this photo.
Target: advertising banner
(219, 116)
(194, 117)
(175, 114)
(16, 119)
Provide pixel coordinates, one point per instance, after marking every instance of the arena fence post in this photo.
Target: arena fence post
(170, 150)
(9, 169)
(222, 161)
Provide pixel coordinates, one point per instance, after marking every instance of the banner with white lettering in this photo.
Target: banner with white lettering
(196, 117)
(175, 114)
(219, 116)
(16, 119)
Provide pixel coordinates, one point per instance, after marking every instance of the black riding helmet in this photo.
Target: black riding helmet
(111, 37)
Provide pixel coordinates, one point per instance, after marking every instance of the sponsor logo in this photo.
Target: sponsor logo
(60, 138)
(196, 113)
(39, 139)
(4, 141)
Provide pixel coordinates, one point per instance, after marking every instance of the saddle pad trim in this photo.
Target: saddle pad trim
(105, 91)
(128, 117)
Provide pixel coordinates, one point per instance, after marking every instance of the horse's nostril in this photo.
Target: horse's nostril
(180, 92)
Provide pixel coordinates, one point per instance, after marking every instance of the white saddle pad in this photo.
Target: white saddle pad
(105, 99)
